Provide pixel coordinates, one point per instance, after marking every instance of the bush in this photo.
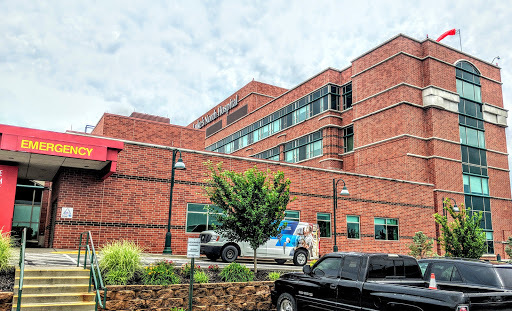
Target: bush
(185, 269)
(236, 272)
(274, 275)
(214, 268)
(5, 250)
(508, 248)
(119, 261)
(421, 246)
(160, 273)
(177, 309)
(200, 277)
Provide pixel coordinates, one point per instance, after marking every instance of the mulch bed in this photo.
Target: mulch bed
(7, 280)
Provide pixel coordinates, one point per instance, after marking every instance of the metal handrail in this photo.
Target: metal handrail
(95, 277)
(22, 267)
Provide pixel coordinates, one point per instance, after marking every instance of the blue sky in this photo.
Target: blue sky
(64, 63)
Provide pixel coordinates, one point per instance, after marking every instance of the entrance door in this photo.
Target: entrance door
(27, 210)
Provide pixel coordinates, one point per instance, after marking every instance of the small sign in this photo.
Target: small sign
(194, 247)
(67, 212)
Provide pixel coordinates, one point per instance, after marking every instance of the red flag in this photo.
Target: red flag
(450, 32)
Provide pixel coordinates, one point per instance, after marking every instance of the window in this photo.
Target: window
(292, 215)
(489, 243)
(473, 156)
(324, 224)
(446, 272)
(348, 139)
(303, 148)
(329, 267)
(347, 96)
(386, 229)
(350, 268)
(472, 137)
(199, 218)
(353, 227)
(475, 185)
(271, 154)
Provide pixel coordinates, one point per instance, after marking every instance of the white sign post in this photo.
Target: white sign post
(193, 251)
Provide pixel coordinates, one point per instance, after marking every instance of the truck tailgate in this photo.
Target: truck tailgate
(490, 301)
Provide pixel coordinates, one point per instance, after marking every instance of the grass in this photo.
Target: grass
(119, 261)
(5, 250)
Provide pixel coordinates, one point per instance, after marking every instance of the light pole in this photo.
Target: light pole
(343, 192)
(178, 166)
(455, 207)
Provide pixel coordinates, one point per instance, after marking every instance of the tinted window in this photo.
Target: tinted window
(423, 267)
(411, 268)
(328, 267)
(446, 272)
(380, 267)
(506, 276)
(475, 274)
(350, 268)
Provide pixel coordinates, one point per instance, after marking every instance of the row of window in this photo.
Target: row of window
(200, 218)
(472, 139)
(328, 97)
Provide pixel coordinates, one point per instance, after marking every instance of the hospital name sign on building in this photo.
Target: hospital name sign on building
(217, 113)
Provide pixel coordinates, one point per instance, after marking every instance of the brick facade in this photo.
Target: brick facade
(406, 156)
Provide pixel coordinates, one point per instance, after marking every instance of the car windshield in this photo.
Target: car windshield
(506, 276)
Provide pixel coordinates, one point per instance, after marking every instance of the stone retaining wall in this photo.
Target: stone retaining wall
(6, 301)
(206, 297)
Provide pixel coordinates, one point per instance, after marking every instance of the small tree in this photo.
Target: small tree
(252, 203)
(508, 248)
(462, 237)
(421, 246)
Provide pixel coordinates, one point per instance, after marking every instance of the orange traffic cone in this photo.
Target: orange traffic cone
(432, 284)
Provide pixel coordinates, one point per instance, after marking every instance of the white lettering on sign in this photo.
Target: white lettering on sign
(193, 248)
(217, 113)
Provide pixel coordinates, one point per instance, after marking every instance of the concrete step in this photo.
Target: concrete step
(52, 289)
(68, 280)
(76, 306)
(53, 272)
(53, 298)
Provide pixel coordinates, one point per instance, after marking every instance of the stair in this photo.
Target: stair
(54, 288)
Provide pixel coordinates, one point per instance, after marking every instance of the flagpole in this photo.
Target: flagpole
(460, 41)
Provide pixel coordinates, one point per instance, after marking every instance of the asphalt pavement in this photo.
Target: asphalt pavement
(67, 257)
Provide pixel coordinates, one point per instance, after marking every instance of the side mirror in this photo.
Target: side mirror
(306, 269)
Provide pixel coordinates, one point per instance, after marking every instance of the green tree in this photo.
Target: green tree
(508, 248)
(252, 203)
(421, 246)
(463, 236)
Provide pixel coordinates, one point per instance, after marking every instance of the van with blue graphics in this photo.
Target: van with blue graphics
(298, 241)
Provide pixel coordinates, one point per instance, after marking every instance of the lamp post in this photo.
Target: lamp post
(343, 192)
(175, 166)
(455, 207)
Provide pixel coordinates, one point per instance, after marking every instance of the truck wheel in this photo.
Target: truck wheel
(212, 257)
(286, 302)
(300, 258)
(229, 253)
(280, 261)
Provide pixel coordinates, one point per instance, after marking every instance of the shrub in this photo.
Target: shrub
(160, 273)
(236, 272)
(421, 246)
(508, 248)
(185, 269)
(177, 309)
(274, 275)
(214, 268)
(119, 261)
(5, 250)
(200, 277)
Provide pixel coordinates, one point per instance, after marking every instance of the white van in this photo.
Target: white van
(298, 241)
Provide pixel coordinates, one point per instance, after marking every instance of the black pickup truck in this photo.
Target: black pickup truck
(361, 281)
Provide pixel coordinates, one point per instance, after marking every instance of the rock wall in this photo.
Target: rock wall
(206, 297)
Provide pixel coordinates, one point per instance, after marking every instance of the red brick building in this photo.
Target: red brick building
(407, 124)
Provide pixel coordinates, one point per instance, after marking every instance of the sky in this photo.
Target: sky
(64, 63)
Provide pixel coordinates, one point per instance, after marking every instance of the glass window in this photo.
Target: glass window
(479, 275)
(353, 227)
(288, 156)
(292, 215)
(348, 139)
(199, 218)
(324, 224)
(386, 228)
(276, 126)
(350, 268)
(329, 267)
(475, 185)
(255, 136)
(506, 276)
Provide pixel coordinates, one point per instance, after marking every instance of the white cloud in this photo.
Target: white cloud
(65, 63)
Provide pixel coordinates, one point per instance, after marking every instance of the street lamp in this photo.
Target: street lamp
(175, 166)
(455, 207)
(343, 192)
